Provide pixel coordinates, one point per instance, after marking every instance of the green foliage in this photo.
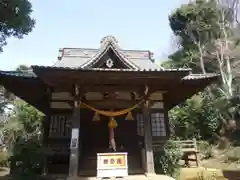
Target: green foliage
(168, 159)
(27, 159)
(198, 25)
(25, 122)
(189, 58)
(4, 161)
(204, 176)
(206, 149)
(196, 21)
(196, 118)
(22, 134)
(15, 19)
(201, 26)
(29, 116)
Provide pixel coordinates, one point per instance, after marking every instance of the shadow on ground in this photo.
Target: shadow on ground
(232, 175)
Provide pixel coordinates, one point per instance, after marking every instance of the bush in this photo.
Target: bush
(4, 159)
(168, 159)
(27, 159)
(205, 149)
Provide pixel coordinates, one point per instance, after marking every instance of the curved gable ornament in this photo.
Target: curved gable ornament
(106, 43)
(109, 39)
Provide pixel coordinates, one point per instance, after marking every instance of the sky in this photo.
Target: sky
(82, 24)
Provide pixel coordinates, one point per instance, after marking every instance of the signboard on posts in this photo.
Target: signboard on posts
(112, 165)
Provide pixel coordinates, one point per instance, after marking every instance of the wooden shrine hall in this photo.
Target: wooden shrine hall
(104, 100)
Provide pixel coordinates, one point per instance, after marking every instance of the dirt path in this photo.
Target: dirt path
(4, 174)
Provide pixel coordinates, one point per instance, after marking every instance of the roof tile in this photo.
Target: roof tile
(25, 74)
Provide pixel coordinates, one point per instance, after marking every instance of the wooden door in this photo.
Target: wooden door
(126, 135)
(94, 134)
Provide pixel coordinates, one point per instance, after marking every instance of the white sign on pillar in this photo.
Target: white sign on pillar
(74, 138)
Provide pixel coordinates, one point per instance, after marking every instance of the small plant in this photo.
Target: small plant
(206, 149)
(168, 159)
(4, 159)
(203, 176)
(27, 159)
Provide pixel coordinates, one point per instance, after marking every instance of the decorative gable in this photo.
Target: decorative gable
(110, 56)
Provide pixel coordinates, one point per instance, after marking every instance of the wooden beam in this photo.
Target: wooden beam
(98, 88)
(102, 104)
(87, 75)
(105, 85)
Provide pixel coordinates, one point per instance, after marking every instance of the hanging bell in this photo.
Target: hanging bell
(129, 116)
(112, 123)
(96, 117)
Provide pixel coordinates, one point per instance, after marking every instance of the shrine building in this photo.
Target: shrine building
(93, 96)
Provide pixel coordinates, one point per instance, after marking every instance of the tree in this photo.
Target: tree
(207, 37)
(25, 122)
(22, 135)
(195, 24)
(23, 68)
(15, 19)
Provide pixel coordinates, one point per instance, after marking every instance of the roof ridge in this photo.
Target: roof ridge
(200, 76)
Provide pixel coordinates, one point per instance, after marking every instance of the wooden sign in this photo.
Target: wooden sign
(112, 165)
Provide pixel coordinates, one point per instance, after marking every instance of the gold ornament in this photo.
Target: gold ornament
(112, 123)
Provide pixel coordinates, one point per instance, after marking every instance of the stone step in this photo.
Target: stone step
(93, 172)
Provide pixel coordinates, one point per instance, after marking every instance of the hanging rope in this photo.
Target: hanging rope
(113, 113)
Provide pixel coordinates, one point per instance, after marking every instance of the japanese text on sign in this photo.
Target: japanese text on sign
(112, 164)
(118, 160)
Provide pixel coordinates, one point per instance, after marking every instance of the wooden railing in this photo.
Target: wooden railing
(189, 150)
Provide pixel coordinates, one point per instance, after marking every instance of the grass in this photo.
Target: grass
(201, 174)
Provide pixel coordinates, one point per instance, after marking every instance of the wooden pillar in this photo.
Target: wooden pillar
(166, 118)
(74, 146)
(45, 130)
(45, 126)
(149, 159)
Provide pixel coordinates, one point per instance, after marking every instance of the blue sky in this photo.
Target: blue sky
(75, 23)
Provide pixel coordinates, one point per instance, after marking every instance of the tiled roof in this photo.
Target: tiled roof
(200, 76)
(85, 57)
(76, 62)
(30, 74)
(25, 74)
